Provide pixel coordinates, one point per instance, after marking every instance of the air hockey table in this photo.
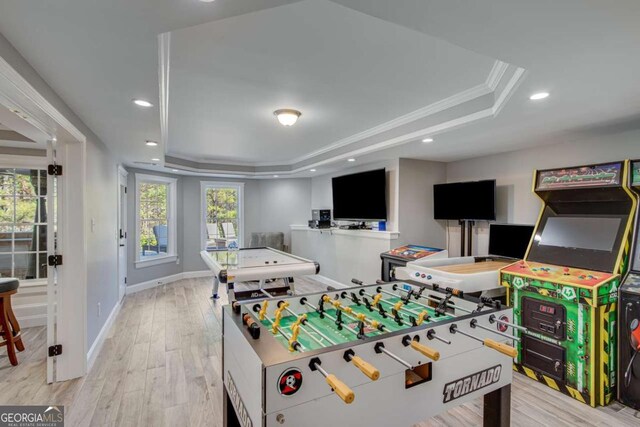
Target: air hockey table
(256, 264)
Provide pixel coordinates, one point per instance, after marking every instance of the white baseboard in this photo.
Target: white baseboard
(167, 279)
(99, 341)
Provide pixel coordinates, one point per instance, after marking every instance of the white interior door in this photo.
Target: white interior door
(52, 272)
(122, 233)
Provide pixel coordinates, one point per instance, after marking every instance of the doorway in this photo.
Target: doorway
(122, 232)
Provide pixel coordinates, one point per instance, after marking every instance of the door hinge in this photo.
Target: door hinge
(55, 170)
(55, 350)
(54, 260)
(125, 190)
(125, 280)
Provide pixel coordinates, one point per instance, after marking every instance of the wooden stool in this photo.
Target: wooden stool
(9, 328)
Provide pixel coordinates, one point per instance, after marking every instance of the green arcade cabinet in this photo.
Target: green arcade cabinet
(565, 291)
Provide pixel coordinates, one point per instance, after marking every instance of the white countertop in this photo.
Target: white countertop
(369, 234)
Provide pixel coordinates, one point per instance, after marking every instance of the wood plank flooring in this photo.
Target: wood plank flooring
(160, 366)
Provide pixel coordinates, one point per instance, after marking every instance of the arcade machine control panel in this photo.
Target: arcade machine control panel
(565, 291)
(399, 257)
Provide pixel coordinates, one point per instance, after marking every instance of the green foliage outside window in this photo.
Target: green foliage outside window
(222, 207)
(153, 211)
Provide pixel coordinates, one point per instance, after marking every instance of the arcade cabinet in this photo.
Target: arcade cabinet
(399, 257)
(565, 291)
(629, 319)
(474, 274)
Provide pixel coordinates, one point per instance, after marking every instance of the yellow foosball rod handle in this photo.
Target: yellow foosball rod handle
(341, 389)
(501, 347)
(263, 309)
(431, 353)
(365, 367)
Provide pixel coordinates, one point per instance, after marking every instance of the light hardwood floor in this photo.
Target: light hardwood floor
(160, 365)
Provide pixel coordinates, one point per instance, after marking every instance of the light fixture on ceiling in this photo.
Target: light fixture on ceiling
(174, 170)
(427, 140)
(538, 96)
(150, 143)
(351, 160)
(287, 116)
(312, 170)
(275, 176)
(142, 103)
(207, 1)
(155, 160)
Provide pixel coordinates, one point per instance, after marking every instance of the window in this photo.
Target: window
(23, 223)
(222, 213)
(155, 220)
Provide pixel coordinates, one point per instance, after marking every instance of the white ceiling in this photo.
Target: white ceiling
(348, 65)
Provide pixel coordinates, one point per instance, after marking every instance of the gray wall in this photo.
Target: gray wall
(101, 193)
(415, 198)
(137, 275)
(269, 205)
(513, 171)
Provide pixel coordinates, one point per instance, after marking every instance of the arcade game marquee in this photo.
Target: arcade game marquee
(565, 291)
(378, 355)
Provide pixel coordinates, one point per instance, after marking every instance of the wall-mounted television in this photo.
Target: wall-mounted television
(361, 196)
(475, 200)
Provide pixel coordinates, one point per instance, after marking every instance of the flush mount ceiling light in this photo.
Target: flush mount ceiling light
(351, 160)
(427, 140)
(287, 116)
(142, 103)
(538, 96)
(151, 143)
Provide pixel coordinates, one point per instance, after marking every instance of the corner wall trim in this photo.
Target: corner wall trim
(167, 279)
(92, 355)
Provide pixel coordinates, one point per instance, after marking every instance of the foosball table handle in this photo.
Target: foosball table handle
(426, 351)
(502, 348)
(340, 388)
(367, 368)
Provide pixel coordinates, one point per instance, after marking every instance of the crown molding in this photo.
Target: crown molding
(502, 81)
(24, 100)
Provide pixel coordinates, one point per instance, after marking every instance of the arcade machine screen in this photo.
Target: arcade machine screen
(581, 242)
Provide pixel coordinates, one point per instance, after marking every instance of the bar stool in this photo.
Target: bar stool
(9, 328)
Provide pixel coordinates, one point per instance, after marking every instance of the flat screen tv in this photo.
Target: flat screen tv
(474, 200)
(360, 196)
(509, 240)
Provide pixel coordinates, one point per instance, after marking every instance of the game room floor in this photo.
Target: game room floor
(160, 365)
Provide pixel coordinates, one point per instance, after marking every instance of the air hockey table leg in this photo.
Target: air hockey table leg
(216, 286)
(497, 408)
(289, 283)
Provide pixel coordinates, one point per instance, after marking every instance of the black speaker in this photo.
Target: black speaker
(629, 342)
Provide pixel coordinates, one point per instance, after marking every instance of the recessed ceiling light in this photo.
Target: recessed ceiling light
(351, 160)
(142, 103)
(539, 95)
(275, 176)
(207, 1)
(287, 116)
(174, 170)
(155, 160)
(427, 140)
(312, 170)
(151, 143)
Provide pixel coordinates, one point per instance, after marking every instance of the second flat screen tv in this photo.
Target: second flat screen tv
(474, 200)
(360, 196)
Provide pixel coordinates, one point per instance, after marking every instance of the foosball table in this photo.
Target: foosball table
(385, 354)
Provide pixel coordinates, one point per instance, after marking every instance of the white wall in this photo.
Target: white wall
(101, 190)
(321, 196)
(415, 198)
(513, 171)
